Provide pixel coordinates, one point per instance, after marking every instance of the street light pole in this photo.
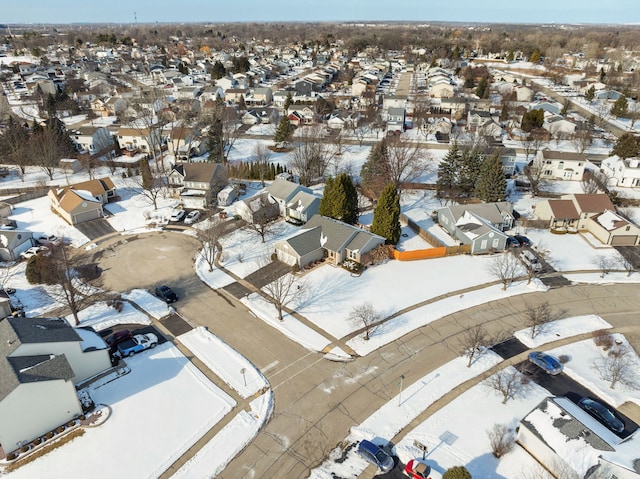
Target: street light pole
(400, 395)
(244, 378)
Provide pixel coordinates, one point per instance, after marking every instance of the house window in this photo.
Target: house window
(548, 162)
(627, 228)
(561, 165)
(580, 164)
(548, 172)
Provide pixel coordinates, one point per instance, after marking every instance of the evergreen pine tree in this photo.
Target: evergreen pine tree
(287, 101)
(215, 141)
(386, 216)
(284, 132)
(620, 106)
(374, 174)
(447, 184)
(590, 94)
(326, 206)
(491, 184)
(145, 173)
(468, 171)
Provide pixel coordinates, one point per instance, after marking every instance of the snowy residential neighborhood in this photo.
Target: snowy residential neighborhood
(318, 263)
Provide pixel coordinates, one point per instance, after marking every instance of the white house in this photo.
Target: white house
(41, 361)
(560, 165)
(622, 172)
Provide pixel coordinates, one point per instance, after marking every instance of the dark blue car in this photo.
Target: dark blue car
(602, 414)
(548, 363)
(375, 455)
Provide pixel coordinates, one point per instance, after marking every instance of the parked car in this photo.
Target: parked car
(530, 260)
(550, 364)
(512, 242)
(138, 343)
(523, 240)
(48, 240)
(177, 216)
(166, 294)
(118, 337)
(34, 250)
(602, 413)
(192, 217)
(375, 455)
(417, 469)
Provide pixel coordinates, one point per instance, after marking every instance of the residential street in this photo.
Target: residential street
(316, 400)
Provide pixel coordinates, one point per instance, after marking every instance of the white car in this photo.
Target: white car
(48, 239)
(177, 215)
(530, 260)
(34, 250)
(192, 217)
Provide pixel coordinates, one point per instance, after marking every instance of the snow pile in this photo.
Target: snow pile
(549, 332)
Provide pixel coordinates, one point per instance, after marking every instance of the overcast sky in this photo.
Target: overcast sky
(151, 11)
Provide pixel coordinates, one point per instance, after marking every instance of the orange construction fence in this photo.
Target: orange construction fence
(420, 254)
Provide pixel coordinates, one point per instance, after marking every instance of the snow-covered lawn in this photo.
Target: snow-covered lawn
(150, 426)
(562, 328)
(226, 362)
(583, 356)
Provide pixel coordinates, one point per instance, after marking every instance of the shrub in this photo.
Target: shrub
(49, 435)
(457, 472)
(603, 339)
(36, 441)
(60, 429)
(502, 439)
(12, 456)
(352, 266)
(564, 359)
(25, 448)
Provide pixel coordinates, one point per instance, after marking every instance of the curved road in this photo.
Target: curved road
(317, 401)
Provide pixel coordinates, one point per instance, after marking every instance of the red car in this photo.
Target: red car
(118, 337)
(417, 469)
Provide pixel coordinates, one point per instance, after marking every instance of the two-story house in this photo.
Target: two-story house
(560, 165)
(197, 184)
(622, 171)
(92, 140)
(295, 202)
(41, 361)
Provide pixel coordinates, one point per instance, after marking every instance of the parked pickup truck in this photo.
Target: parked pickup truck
(138, 343)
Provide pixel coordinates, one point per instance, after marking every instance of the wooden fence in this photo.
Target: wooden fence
(439, 249)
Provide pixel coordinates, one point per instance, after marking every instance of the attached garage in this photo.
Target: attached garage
(624, 240)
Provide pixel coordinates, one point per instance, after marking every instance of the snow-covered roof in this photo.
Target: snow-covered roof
(610, 221)
(90, 340)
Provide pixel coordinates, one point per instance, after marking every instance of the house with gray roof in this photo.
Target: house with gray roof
(570, 443)
(295, 202)
(482, 226)
(197, 184)
(324, 237)
(41, 361)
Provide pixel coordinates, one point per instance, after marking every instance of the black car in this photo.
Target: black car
(166, 294)
(512, 242)
(602, 413)
(523, 240)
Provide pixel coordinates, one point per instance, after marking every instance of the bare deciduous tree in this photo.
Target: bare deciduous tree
(366, 316)
(406, 161)
(604, 263)
(595, 182)
(312, 155)
(282, 291)
(508, 382)
(209, 236)
(537, 316)
(581, 140)
(143, 116)
(534, 173)
(505, 267)
(502, 439)
(618, 367)
(474, 341)
(627, 265)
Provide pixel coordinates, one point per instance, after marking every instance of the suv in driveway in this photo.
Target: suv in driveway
(166, 294)
(375, 455)
(530, 260)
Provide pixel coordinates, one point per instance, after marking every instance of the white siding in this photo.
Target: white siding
(33, 409)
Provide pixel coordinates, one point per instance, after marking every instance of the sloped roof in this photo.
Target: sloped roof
(42, 330)
(563, 209)
(593, 203)
(562, 155)
(284, 190)
(610, 220)
(200, 172)
(302, 200)
(492, 212)
(306, 241)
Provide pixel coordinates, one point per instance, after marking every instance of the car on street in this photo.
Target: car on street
(192, 217)
(166, 294)
(548, 363)
(417, 469)
(137, 343)
(375, 455)
(177, 216)
(34, 250)
(523, 240)
(602, 413)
